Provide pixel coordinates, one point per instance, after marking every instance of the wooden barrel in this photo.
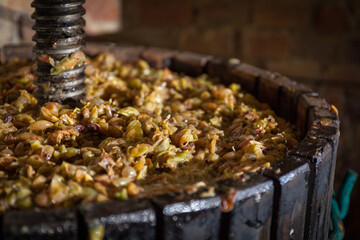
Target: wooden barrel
(290, 201)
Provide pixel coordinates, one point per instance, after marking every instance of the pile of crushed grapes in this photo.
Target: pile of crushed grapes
(140, 132)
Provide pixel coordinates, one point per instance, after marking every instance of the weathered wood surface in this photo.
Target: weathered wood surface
(291, 181)
(183, 216)
(247, 207)
(289, 97)
(133, 219)
(40, 224)
(319, 155)
(191, 64)
(295, 196)
(158, 58)
(221, 68)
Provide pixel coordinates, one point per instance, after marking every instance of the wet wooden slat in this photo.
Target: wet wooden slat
(252, 200)
(220, 68)
(305, 104)
(323, 116)
(191, 64)
(269, 89)
(247, 76)
(157, 57)
(133, 219)
(291, 179)
(288, 99)
(182, 216)
(327, 131)
(40, 224)
(123, 52)
(127, 54)
(319, 155)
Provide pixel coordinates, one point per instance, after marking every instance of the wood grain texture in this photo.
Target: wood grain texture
(291, 179)
(318, 153)
(305, 103)
(252, 200)
(288, 99)
(269, 89)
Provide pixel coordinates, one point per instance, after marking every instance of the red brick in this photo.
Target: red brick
(282, 14)
(218, 41)
(165, 12)
(301, 68)
(333, 17)
(155, 36)
(223, 12)
(265, 45)
(320, 47)
(103, 11)
(102, 18)
(342, 73)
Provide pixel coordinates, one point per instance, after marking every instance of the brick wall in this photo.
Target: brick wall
(16, 22)
(313, 41)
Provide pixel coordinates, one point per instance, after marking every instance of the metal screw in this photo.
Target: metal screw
(59, 33)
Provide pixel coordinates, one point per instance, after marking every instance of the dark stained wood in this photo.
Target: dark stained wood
(327, 131)
(158, 58)
(182, 216)
(127, 54)
(247, 76)
(220, 68)
(288, 98)
(291, 179)
(40, 224)
(93, 48)
(188, 63)
(22, 52)
(324, 116)
(305, 103)
(252, 199)
(133, 219)
(319, 155)
(269, 89)
(124, 53)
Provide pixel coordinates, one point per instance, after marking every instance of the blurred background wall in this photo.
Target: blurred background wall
(316, 42)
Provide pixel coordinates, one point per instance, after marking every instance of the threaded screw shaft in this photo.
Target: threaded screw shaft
(59, 33)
